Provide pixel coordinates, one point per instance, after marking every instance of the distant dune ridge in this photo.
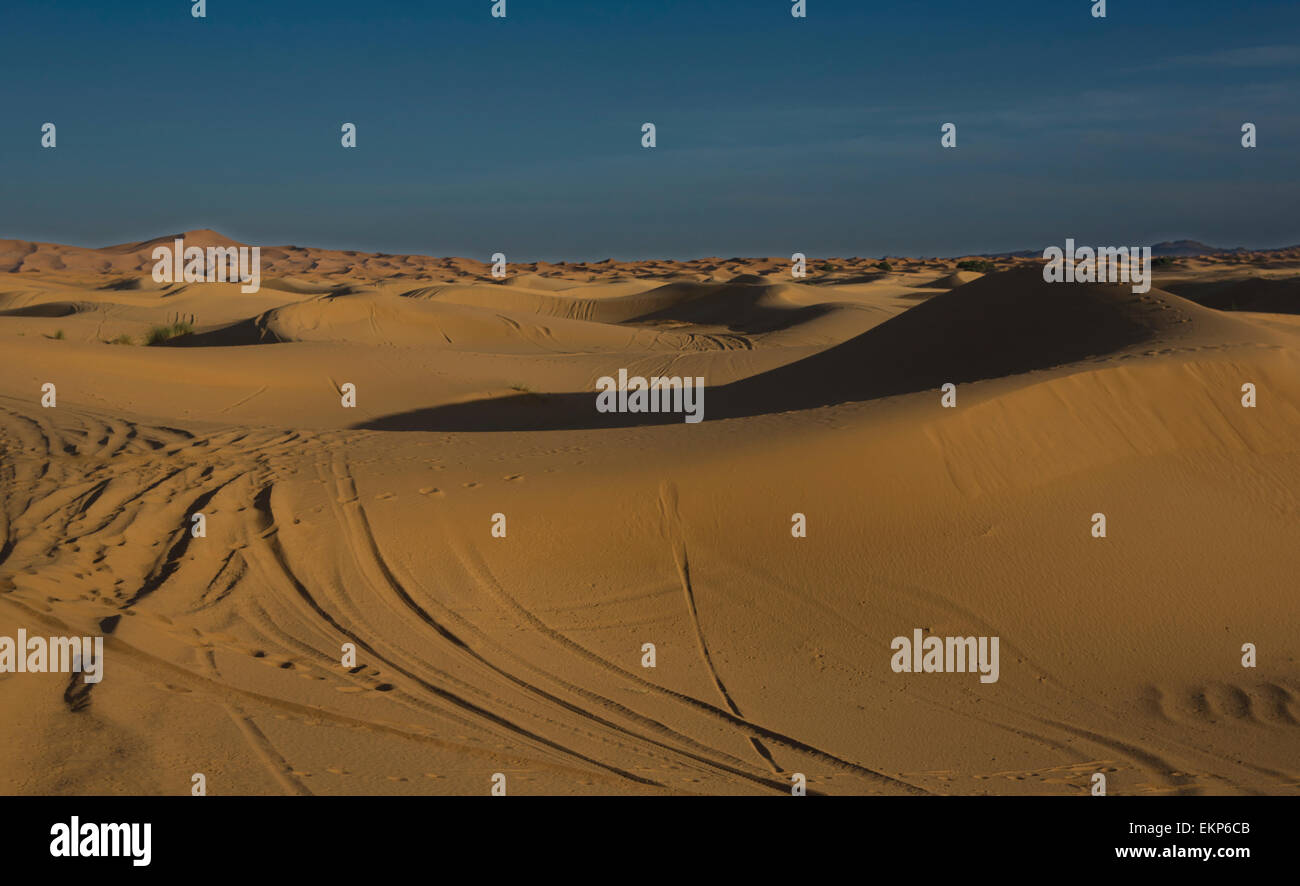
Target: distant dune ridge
(1174, 248)
(135, 258)
(522, 651)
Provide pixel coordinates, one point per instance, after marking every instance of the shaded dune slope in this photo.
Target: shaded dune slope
(492, 317)
(51, 309)
(683, 301)
(367, 318)
(747, 308)
(1272, 296)
(1004, 324)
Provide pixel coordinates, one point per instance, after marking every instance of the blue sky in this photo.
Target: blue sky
(775, 135)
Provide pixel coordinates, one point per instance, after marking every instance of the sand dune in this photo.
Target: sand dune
(368, 319)
(1004, 325)
(1261, 294)
(523, 655)
(953, 280)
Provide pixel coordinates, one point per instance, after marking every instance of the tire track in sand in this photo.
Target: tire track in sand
(671, 526)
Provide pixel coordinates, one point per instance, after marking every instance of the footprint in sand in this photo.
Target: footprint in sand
(431, 490)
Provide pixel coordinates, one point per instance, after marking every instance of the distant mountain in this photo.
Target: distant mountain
(1182, 248)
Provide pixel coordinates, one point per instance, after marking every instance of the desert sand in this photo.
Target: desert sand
(523, 655)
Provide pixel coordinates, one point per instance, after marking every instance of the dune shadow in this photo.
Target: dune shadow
(49, 309)
(1003, 324)
(520, 412)
(746, 308)
(1263, 294)
(253, 331)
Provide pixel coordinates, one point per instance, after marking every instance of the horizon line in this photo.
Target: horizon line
(1018, 253)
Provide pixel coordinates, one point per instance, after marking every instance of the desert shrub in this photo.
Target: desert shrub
(159, 334)
(178, 326)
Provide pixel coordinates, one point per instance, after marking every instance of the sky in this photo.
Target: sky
(775, 135)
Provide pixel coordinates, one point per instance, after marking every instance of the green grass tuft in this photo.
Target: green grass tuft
(159, 334)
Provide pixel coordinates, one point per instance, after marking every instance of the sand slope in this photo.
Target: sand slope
(523, 655)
